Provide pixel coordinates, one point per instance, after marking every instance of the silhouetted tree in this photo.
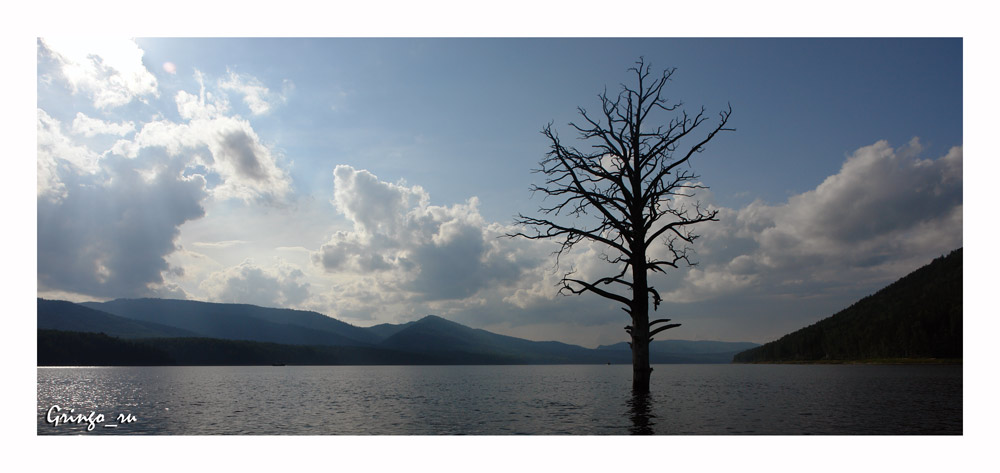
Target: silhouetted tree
(628, 183)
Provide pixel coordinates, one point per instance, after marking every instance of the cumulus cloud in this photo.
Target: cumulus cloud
(54, 144)
(431, 253)
(878, 195)
(111, 232)
(281, 285)
(886, 212)
(109, 217)
(110, 72)
(87, 126)
(55, 149)
(106, 223)
(375, 207)
(226, 145)
(204, 105)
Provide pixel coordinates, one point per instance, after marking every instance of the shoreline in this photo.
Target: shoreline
(872, 361)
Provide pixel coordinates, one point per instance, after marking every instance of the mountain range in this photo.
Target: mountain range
(193, 332)
(917, 317)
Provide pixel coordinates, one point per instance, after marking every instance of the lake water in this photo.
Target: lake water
(499, 400)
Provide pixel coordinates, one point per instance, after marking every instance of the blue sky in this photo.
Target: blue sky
(793, 96)
(369, 179)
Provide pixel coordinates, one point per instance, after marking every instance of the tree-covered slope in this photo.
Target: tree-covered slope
(918, 316)
(59, 348)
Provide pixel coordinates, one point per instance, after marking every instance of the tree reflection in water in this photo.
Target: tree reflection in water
(640, 412)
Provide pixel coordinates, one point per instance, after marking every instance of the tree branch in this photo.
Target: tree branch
(594, 289)
(665, 327)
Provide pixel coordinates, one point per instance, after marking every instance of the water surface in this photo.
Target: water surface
(501, 400)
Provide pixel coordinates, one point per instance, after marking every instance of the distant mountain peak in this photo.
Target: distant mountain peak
(436, 319)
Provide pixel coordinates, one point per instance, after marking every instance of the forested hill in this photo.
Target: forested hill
(918, 316)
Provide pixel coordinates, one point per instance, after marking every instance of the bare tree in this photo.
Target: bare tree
(623, 196)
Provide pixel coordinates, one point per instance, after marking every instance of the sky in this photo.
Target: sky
(373, 179)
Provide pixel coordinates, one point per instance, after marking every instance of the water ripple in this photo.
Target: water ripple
(509, 400)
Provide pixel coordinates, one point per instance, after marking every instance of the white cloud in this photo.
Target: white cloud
(281, 285)
(374, 206)
(205, 105)
(232, 149)
(886, 212)
(426, 252)
(109, 71)
(256, 95)
(87, 126)
(868, 211)
(223, 145)
(54, 148)
(109, 219)
(110, 233)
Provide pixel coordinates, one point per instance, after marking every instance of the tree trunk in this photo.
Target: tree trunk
(640, 364)
(640, 331)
